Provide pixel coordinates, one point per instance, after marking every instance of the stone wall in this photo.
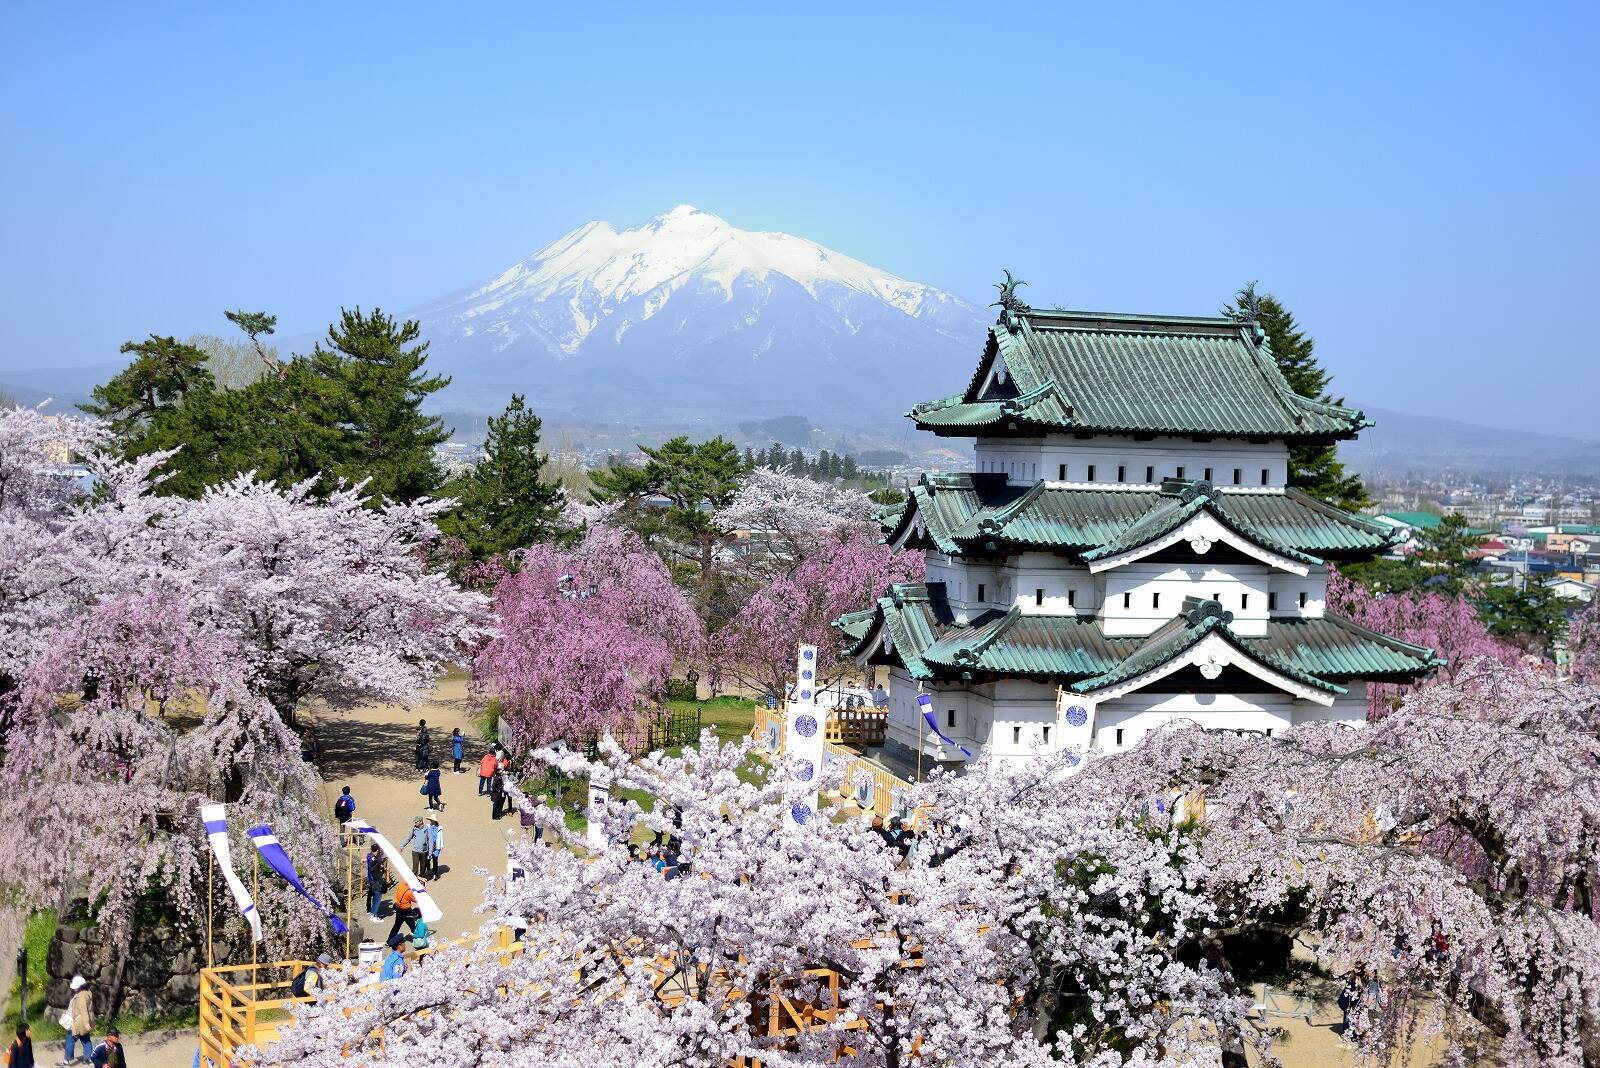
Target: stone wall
(162, 976)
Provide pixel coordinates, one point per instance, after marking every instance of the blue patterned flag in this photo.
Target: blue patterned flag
(925, 703)
(266, 844)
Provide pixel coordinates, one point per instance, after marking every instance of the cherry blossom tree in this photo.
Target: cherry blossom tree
(786, 518)
(1066, 912)
(584, 638)
(153, 651)
(1453, 847)
(841, 572)
(1583, 644)
(1448, 625)
(628, 967)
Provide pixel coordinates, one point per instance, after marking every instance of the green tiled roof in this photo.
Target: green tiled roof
(967, 513)
(1075, 650)
(1111, 373)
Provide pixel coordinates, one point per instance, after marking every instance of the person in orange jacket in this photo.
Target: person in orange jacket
(405, 909)
(486, 769)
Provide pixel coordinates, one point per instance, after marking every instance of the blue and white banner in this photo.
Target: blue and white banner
(429, 910)
(272, 852)
(804, 735)
(925, 706)
(215, 818)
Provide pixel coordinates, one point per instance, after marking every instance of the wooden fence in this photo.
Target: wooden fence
(867, 784)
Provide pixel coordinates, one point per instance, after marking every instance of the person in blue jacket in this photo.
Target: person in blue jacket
(394, 963)
(431, 787)
(458, 748)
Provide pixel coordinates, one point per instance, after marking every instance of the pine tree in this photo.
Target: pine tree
(380, 378)
(504, 503)
(163, 371)
(1313, 469)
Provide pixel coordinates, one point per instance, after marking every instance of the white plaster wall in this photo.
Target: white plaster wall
(1123, 722)
(1063, 458)
(1140, 597)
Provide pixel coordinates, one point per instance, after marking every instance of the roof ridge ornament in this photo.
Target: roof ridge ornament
(1198, 612)
(1009, 303)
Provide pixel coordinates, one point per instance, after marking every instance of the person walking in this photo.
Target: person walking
(376, 883)
(432, 789)
(109, 1053)
(486, 770)
(435, 846)
(417, 842)
(406, 912)
(20, 1053)
(458, 748)
(424, 746)
(344, 809)
(78, 1020)
(497, 792)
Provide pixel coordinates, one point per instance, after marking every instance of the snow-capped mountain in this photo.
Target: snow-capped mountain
(687, 315)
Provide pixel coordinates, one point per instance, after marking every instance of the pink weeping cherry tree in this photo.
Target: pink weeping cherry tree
(1448, 625)
(585, 638)
(812, 554)
(1583, 644)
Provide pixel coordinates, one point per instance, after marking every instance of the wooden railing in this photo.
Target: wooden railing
(859, 728)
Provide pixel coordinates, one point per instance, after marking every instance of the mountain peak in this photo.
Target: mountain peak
(687, 285)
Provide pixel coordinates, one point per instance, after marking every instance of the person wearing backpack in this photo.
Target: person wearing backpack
(406, 911)
(344, 809)
(308, 984)
(20, 1053)
(109, 1053)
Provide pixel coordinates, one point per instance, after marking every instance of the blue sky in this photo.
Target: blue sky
(1417, 182)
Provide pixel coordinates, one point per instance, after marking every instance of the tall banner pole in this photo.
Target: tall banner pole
(803, 734)
(211, 874)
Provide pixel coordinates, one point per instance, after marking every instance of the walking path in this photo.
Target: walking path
(372, 750)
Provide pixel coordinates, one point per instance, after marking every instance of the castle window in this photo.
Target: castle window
(1016, 735)
(1047, 734)
(1038, 597)
(1122, 473)
(1266, 476)
(1149, 474)
(950, 719)
(1091, 473)
(1244, 601)
(1127, 600)
(1035, 468)
(1272, 602)
(1208, 474)
(1179, 473)
(1155, 600)
(1063, 475)
(1302, 598)
(980, 591)
(1072, 598)
(1238, 476)
(1119, 735)
(1269, 732)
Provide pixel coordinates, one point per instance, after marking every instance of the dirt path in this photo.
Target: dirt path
(372, 751)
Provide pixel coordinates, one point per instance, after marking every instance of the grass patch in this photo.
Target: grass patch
(731, 717)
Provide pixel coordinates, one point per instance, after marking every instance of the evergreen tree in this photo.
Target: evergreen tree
(1313, 469)
(504, 503)
(379, 377)
(153, 385)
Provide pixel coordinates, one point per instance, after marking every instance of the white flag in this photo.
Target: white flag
(215, 818)
(430, 911)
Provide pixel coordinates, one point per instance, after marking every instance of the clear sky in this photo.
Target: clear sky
(1417, 182)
